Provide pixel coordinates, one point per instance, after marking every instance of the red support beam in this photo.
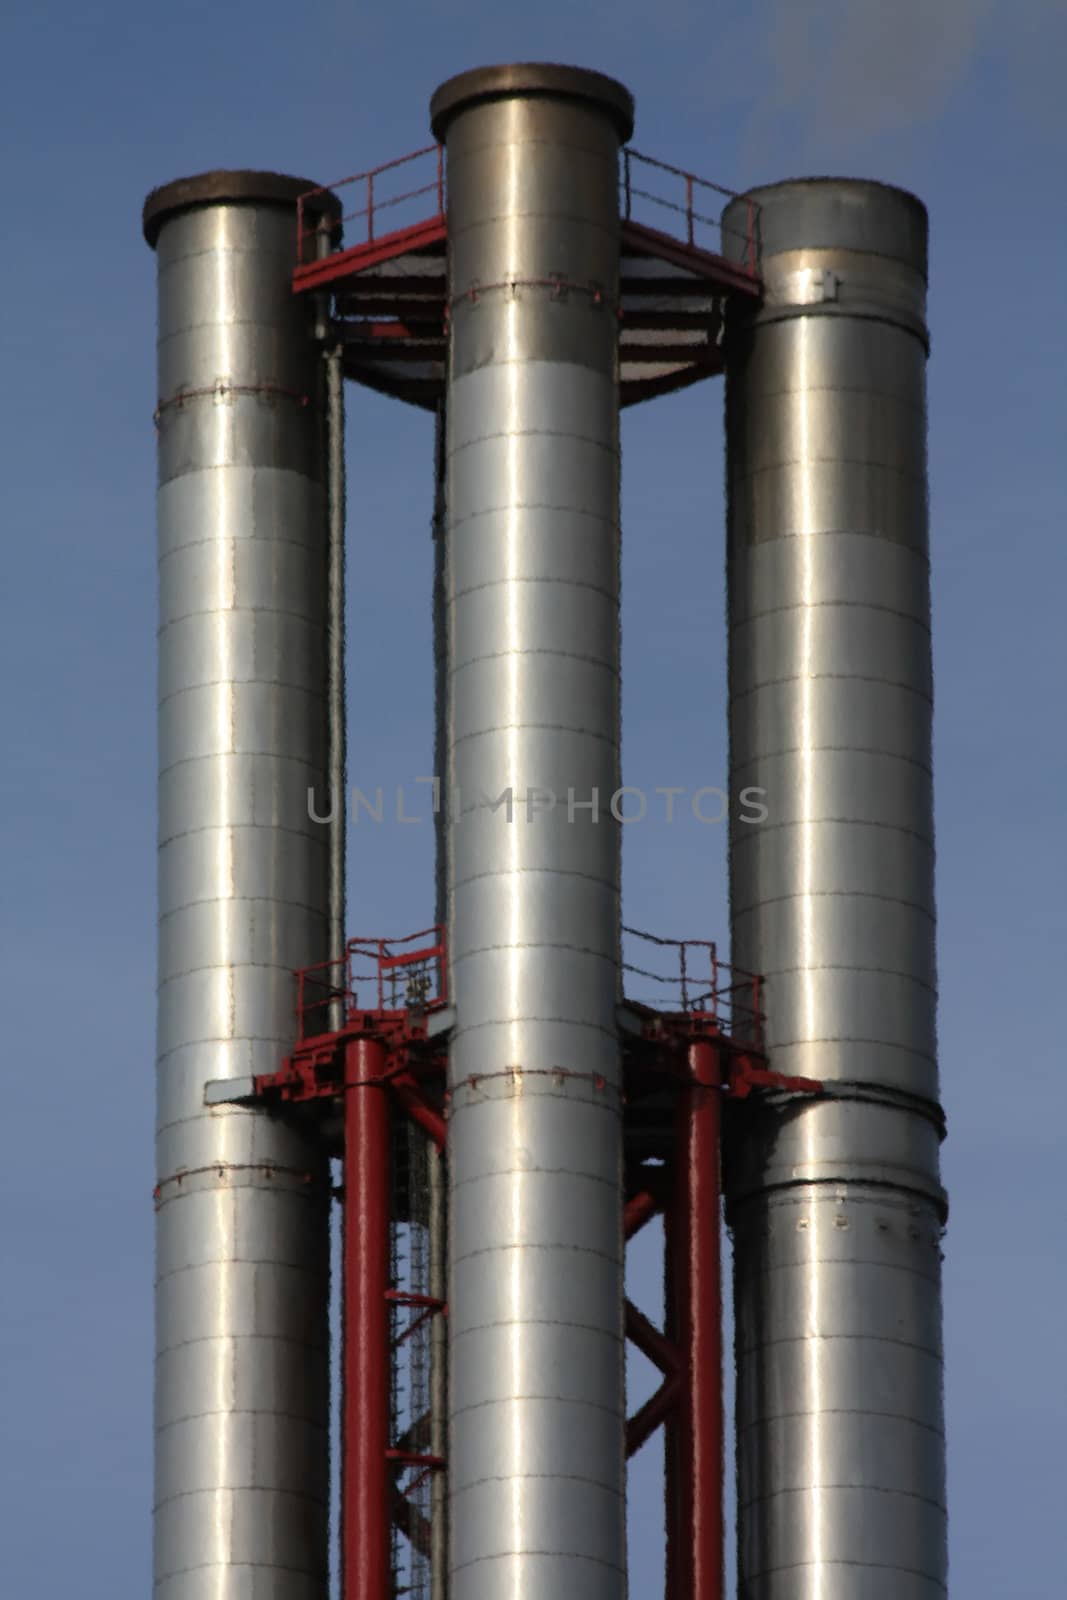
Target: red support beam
(411, 1522)
(366, 1499)
(407, 1091)
(695, 1445)
(385, 1063)
(371, 253)
(649, 1417)
(380, 332)
(640, 1208)
(724, 276)
(644, 1337)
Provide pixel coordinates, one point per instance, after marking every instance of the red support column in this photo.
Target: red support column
(694, 1446)
(675, 1500)
(366, 1519)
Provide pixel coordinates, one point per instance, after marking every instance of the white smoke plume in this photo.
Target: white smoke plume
(825, 78)
(837, 73)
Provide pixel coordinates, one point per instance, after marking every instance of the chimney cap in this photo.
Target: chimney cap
(543, 78)
(225, 187)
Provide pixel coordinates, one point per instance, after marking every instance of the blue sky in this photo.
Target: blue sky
(961, 101)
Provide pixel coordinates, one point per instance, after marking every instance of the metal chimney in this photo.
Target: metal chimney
(536, 1449)
(244, 895)
(835, 1201)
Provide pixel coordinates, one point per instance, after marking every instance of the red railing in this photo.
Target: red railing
(375, 189)
(686, 977)
(639, 171)
(676, 977)
(395, 975)
(676, 192)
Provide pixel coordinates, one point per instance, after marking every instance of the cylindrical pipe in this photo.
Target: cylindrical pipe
(536, 1457)
(366, 1522)
(437, 1174)
(703, 1432)
(835, 1202)
(244, 894)
(694, 1445)
(438, 1247)
(335, 623)
(675, 1528)
(439, 618)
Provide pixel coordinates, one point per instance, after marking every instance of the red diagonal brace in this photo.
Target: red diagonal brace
(652, 1414)
(640, 1208)
(651, 1343)
(407, 1090)
(411, 1522)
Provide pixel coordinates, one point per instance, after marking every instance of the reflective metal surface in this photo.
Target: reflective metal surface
(835, 1203)
(546, 79)
(335, 622)
(536, 1452)
(241, 1374)
(437, 1163)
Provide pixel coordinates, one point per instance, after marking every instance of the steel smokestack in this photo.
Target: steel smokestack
(832, 1162)
(241, 1410)
(536, 1448)
(835, 1202)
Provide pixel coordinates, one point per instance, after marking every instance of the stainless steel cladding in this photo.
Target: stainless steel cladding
(244, 896)
(835, 1201)
(536, 1457)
